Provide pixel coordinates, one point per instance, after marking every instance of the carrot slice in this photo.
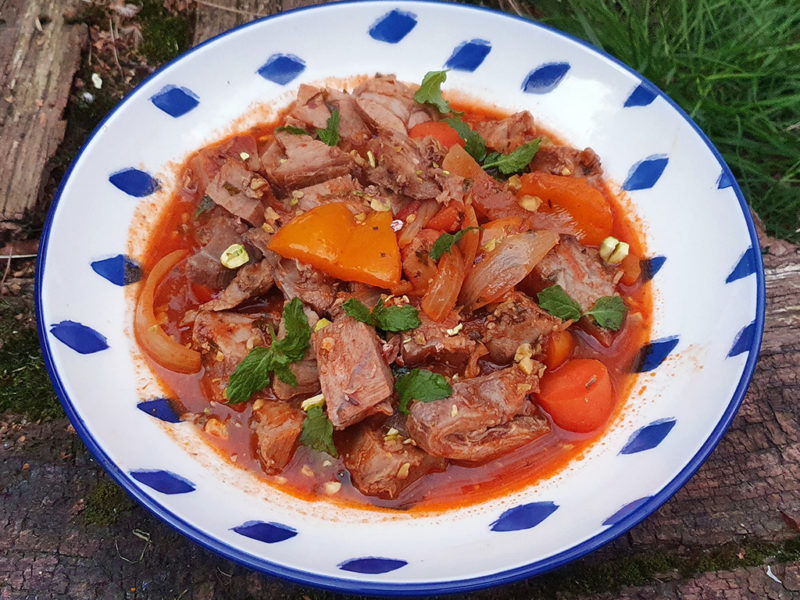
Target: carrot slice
(578, 396)
(437, 129)
(558, 347)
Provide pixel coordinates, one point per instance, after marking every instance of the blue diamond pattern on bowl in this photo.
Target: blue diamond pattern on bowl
(648, 437)
(160, 408)
(743, 341)
(545, 78)
(651, 266)
(282, 68)
(269, 533)
(393, 26)
(175, 101)
(645, 173)
(623, 512)
(163, 481)
(643, 95)
(119, 269)
(134, 182)
(654, 353)
(468, 56)
(372, 565)
(79, 337)
(725, 180)
(524, 516)
(746, 266)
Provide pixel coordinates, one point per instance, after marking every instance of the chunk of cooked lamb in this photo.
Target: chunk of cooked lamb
(277, 427)
(223, 340)
(337, 189)
(239, 191)
(313, 287)
(563, 160)
(310, 108)
(382, 465)
(388, 105)
(218, 229)
(436, 341)
(354, 378)
(205, 165)
(353, 131)
(485, 417)
(403, 165)
(296, 161)
(517, 320)
(251, 280)
(506, 135)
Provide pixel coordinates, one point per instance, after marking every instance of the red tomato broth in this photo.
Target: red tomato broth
(460, 484)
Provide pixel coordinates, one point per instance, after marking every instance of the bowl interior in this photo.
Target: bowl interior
(704, 263)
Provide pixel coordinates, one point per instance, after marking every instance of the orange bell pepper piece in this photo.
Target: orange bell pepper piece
(330, 239)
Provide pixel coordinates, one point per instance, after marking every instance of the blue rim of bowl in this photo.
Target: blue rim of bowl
(402, 588)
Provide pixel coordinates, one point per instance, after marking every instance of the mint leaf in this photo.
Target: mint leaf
(556, 301)
(395, 318)
(387, 318)
(251, 375)
(330, 135)
(609, 312)
(205, 205)
(446, 241)
(318, 432)
(298, 332)
(359, 311)
(515, 161)
(291, 129)
(473, 142)
(430, 91)
(421, 385)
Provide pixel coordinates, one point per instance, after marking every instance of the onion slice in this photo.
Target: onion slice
(504, 267)
(159, 346)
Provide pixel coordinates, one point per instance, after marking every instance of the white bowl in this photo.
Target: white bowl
(707, 283)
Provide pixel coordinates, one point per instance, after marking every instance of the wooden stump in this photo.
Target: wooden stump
(39, 55)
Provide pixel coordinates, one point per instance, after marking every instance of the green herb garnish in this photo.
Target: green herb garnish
(430, 91)
(446, 241)
(608, 311)
(387, 318)
(205, 205)
(254, 372)
(330, 135)
(420, 385)
(291, 129)
(514, 162)
(474, 144)
(318, 432)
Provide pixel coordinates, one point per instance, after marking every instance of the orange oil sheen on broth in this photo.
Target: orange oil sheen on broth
(459, 484)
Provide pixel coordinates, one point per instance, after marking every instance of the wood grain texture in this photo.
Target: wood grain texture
(212, 17)
(39, 55)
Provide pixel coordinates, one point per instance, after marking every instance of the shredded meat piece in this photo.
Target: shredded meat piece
(384, 466)
(296, 161)
(251, 280)
(353, 131)
(402, 165)
(277, 427)
(298, 280)
(387, 104)
(205, 165)
(354, 378)
(506, 135)
(223, 340)
(310, 109)
(334, 190)
(218, 229)
(563, 160)
(438, 342)
(239, 191)
(517, 320)
(485, 417)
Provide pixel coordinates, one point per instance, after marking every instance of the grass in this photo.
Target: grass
(733, 65)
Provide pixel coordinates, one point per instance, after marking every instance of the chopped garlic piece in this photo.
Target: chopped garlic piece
(523, 351)
(619, 253)
(391, 435)
(332, 487)
(371, 158)
(360, 217)
(313, 401)
(526, 365)
(244, 155)
(453, 411)
(321, 324)
(307, 471)
(402, 472)
(530, 203)
(608, 246)
(514, 183)
(454, 330)
(379, 205)
(234, 256)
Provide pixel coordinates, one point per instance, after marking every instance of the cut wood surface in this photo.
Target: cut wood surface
(732, 532)
(39, 54)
